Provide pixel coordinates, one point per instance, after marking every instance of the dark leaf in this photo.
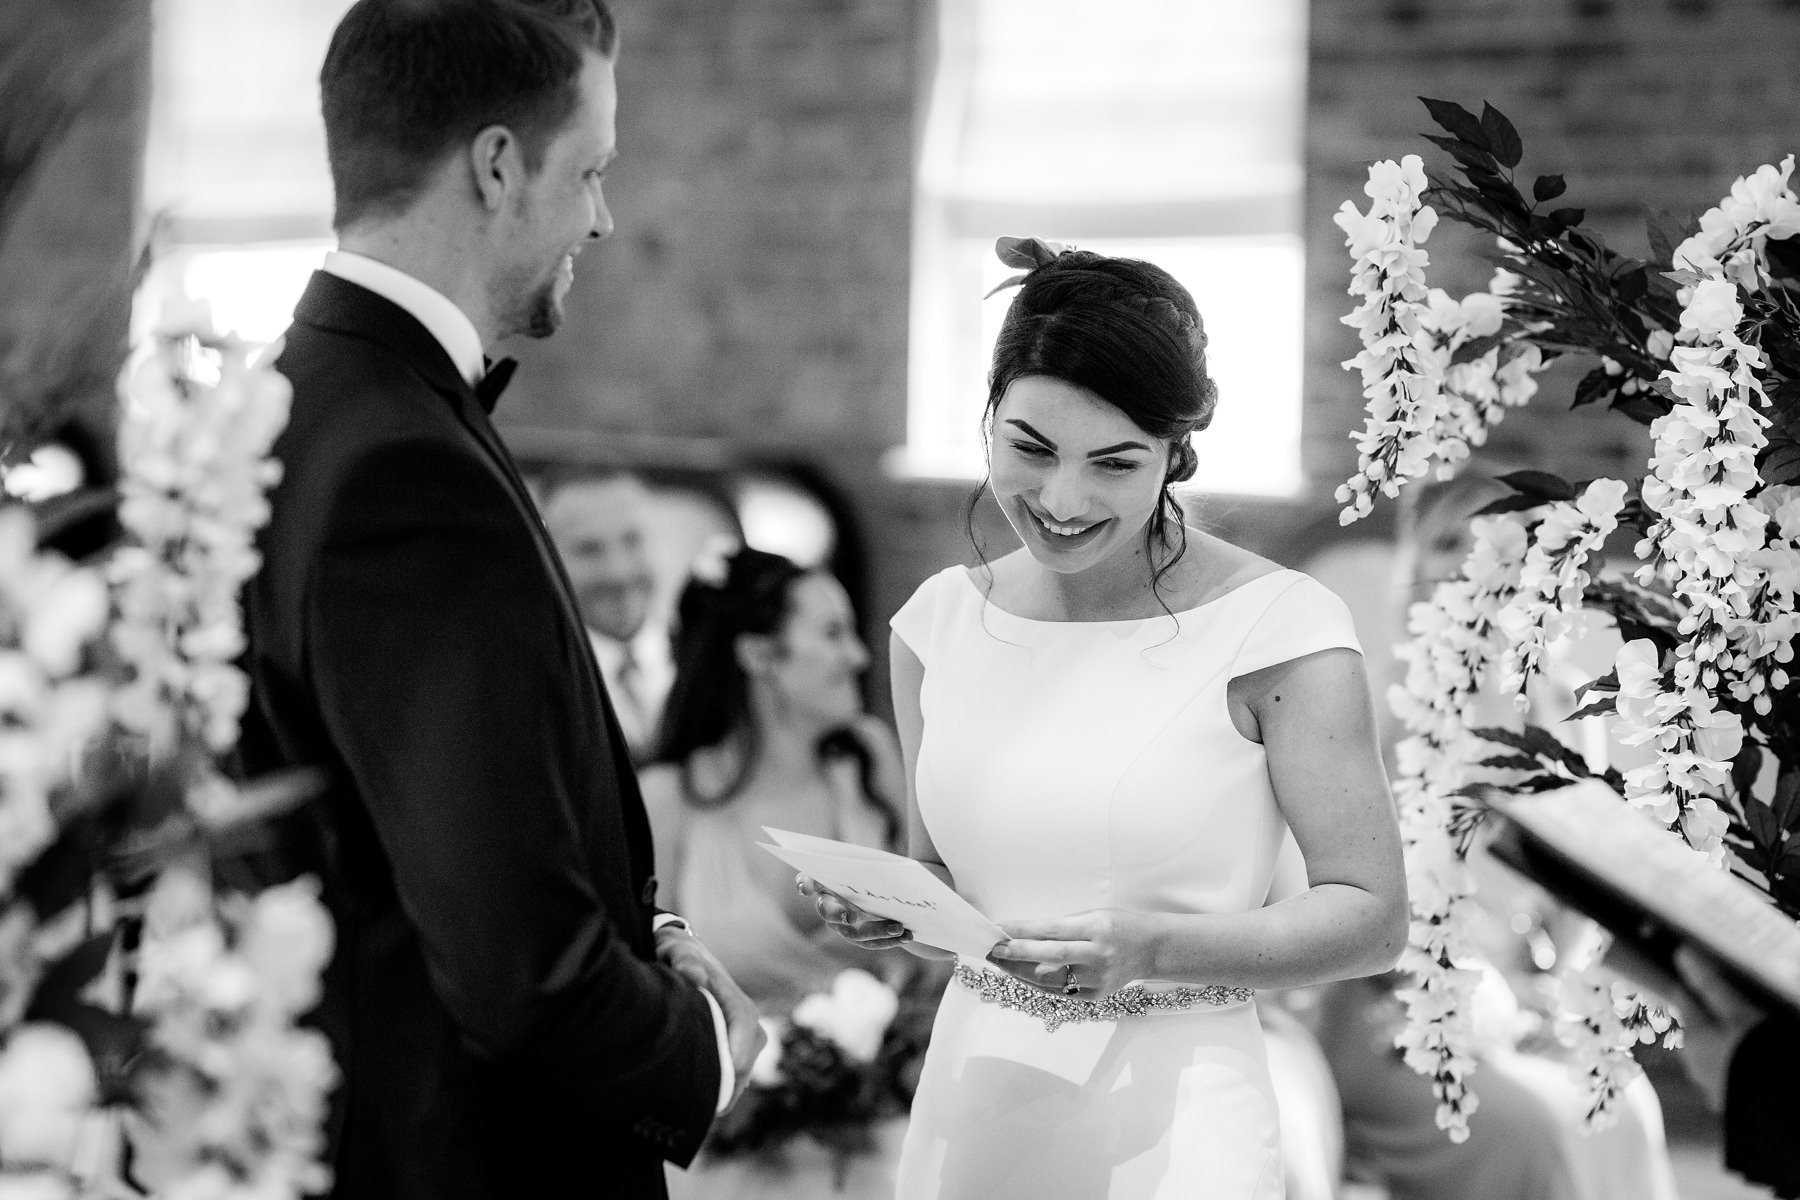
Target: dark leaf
(1505, 504)
(1595, 385)
(1598, 708)
(1666, 231)
(1474, 348)
(1608, 682)
(1632, 286)
(62, 982)
(1788, 861)
(1458, 120)
(1780, 462)
(59, 514)
(1784, 257)
(1462, 152)
(1547, 187)
(1502, 138)
(115, 1042)
(1644, 407)
(1787, 799)
(1744, 770)
(1510, 762)
(1567, 218)
(1539, 742)
(1541, 484)
(1540, 783)
(64, 873)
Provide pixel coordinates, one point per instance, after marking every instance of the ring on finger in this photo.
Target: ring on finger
(1070, 987)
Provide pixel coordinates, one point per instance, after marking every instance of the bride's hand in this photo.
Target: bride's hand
(1096, 952)
(852, 923)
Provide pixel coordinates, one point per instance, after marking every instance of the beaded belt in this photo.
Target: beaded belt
(1133, 1000)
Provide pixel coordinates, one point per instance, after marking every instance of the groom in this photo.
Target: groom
(512, 1014)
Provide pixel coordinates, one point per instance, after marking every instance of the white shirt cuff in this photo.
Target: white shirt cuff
(727, 1072)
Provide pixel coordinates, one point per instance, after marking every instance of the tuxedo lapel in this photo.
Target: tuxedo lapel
(354, 311)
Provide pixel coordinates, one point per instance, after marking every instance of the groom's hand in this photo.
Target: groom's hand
(684, 954)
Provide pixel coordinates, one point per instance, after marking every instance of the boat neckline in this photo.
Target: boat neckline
(969, 578)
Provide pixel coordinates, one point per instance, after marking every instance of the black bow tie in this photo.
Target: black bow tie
(490, 385)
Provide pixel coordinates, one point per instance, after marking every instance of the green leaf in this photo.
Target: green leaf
(1510, 762)
(1457, 120)
(1541, 484)
(1548, 187)
(1502, 138)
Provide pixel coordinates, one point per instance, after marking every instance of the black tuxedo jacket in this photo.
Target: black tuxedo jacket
(494, 1002)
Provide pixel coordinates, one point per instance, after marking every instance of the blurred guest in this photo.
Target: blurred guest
(601, 527)
(1746, 1062)
(765, 726)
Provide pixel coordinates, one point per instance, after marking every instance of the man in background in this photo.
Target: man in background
(602, 523)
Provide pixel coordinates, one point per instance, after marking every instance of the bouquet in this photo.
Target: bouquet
(1700, 342)
(841, 1061)
(140, 1004)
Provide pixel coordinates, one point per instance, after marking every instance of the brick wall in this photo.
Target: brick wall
(756, 285)
(1635, 102)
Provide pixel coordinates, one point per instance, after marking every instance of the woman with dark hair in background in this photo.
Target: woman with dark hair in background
(1107, 734)
(765, 725)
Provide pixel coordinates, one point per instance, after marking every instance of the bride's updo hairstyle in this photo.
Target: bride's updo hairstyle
(1122, 328)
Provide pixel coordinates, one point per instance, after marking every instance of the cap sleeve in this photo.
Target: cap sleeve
(917, 617)
(1303, 618)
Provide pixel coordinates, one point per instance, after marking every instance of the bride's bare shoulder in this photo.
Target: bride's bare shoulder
(1220, 566)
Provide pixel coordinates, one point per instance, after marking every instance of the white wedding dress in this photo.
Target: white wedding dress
(1068, 766)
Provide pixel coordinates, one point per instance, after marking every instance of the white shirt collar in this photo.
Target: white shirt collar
(434, 310)
(650, 648)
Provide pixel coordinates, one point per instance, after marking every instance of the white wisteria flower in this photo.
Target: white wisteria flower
(238, 1111)
(1552, 580)
(197, 425)
(1718, 565)
(1455, 641)
(51, 613)
(48, 1091)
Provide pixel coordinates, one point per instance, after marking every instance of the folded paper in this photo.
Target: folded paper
(890, 886)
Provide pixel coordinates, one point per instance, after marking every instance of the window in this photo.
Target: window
(235, 169)
(1162, 129)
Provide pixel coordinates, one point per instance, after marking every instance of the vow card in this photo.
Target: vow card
(891, 886)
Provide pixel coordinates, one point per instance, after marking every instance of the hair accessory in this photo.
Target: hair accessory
(1028, 254)
(712, 562)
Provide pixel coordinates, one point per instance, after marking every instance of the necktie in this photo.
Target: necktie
(630, 700)
(490, 385)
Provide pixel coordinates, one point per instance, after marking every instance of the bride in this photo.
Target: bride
(1106, 734)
